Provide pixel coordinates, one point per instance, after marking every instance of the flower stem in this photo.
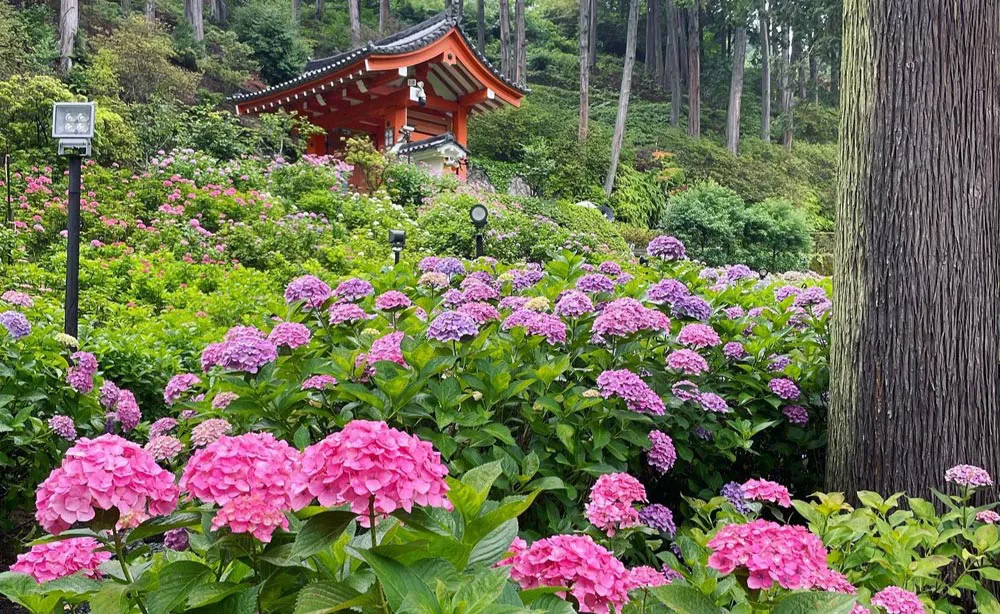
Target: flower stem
(379, 594)
(120, 553)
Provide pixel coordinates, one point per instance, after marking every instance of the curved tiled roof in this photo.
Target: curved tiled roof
(404, 41)
(435, 141)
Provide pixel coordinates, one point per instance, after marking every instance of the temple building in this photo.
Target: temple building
(412, 93)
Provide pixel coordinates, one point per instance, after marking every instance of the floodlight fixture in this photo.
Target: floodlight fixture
(73, 125)
(479, 216)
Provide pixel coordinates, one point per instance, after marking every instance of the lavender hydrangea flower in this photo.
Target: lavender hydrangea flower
(796, 414)
(177, 386)
(734, 350)
(784, 388)
(610, 267)
(666, 247)
(428, 263)
(733, 492)
(737, 272)
(522, 280)
(63, 426)
(176, 539)
(452, 326)
(452, 298)
(342, 313)
(813, 295)
(80, 376)
(691, 306)
(638, 396)
(712, 402)
(659, 517)
(734, 312)
(687, 361)
(479, 292)
(16, 323)
(573, 304)
(778, 363)
(247, 354)
(662, 454)
(685, 390)
(667, 291)
(595, 283)
(513, 303)
(780, 294)
(354, 289)
(311, 290)
(319, 382)
(127, 411)
(968, 476)
(450, 266)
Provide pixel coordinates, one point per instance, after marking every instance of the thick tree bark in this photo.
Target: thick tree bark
(354, 14)
(765, 74)
(914, 357)
(593, 33)
(383, 17)
(194, 13)
(800, 68)
(659, 69)
(736, 91)
(647, 45)
(69, 23)
(787, 126)
(481, 25)
(835, 72)
(151, 10)
(585, 36)
(694, 72)
(220, 12)
(505, 52)
(673, 63)
(631, 34)
(520, 46)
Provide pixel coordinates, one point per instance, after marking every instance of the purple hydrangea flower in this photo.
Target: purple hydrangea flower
(80, 376)
(780, 294)
(127, 411)
(176, 539)
(778, 363)
(969, 476)
(610, 267)
(796, 414)
(450, 266)
(594, 283)
(712, 402)
(698, 336)
(392, 300)
(290, 335)
(737, 272)
(427, 264)
(703, 433)
(162, 427)
(539, 324)
(479, 293)
(319, 382)
(177, 386)
(16, 324)
(246, 354)
(452, 298)
(658, 517)
(734, 350)
(311, 290)
(662, 454)
(813, 295)
(666, 247)
(691, 307)
(573, 304)
(733, 492)
(638, 396)
(63, 426)
(452, 326)
(354, 289)
(687, 361)
(667, 291)
(685, 390)
(109, 394)
(522, 280)
(480, 312)
(513, 303)
(347, 313)
(734, 312)
(784, 388)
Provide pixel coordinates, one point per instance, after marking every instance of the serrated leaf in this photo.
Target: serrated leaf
(320, 532)
(812, 602)
(686, 600)
(326, 597)
(397, 581)
(177, 580)
(162, 524)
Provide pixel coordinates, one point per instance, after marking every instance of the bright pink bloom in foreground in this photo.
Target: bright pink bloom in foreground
(100, 474)
(687, 361)
(369, 460)
(644, 577)
(251, 514)
(787, 554)
(612, 500)
(591, 574)
(698, 336)
(896, 600)
(765, 490)
(46, 562)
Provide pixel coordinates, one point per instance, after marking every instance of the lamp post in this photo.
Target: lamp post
(397, 239)
(73, 125)
(479, 216)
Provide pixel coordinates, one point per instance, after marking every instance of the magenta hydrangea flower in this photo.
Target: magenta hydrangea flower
(479, 292)
(784, 388)
(590, 573)
(319, 382)
(638, 396)
(712, 402)
(787, 554)
(480, 312)
(667, 291)
(796, 414)
(18, 299)
(370, 462)
(176, 539)
(347, 313)
(354, 289)
(573, 304)
(223, 399)
(290, 335)
(766, 490)
(254, 514)
(101, 474)
(968, 476)
(662, 454)
(539, 324)
(988, 516)
(595, 283)
(16, 324)
(393, 300)
(177, 386)
(734, 350)
(688, 362)
(698, 336)
(127, 411)
(612, 500)
(45, 562)
(666, 247)
(626, 316)
(452, 326)
(209, 431)
(388, 347)
(895, 600)
(164, 447)
(685, 390)
(645, 577)
(312, 291)
(162, 427)
(80, 376)
(63, 426)
(245, 352)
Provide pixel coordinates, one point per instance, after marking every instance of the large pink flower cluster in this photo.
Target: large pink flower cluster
(626, 316)
(638, 396)
(590, 573)
(766, 490)
(698, 336)
(612, 502)
(290, 335)
(252, 514)
(537, 323)
(787, 554)
(178, 385)
(968, 476)
(388, 347)
(688, 362)
(895, 600)
(54, 560)
(481, 313)
(312, 291)
(370, 462)
(100, 474)
(243, 349)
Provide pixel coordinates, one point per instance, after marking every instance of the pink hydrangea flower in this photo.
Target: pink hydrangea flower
(479, 292)
(968, 476)
(698, 336)
(80, 376)
(644, 577)
(354, 289)
(538, 324)
(223, 399)
(19, 299)
(784, 388)
(392, 301)
(612, 500)
(209, 431)
(590, 573)
(308, 289)
(765, 490)
(573, 304)
(787, 554)
(164, 447)
(100, 474)
(45, 562)
(638, 396)
(63, 426)
(371, 462)
(290, 335)
(178, 385)
(388, 347)
(319, 382)
(688, 362)
(626, 316)
(127, 411)
(988, 516)
(662, 454)
(347, 313)
(254, 514)
(895, 600)
(480, 312)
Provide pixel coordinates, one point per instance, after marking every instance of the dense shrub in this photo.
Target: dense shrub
(268, 29)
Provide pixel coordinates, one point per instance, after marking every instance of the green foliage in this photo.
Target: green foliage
(26, 41)
(268, 30)
(639, 198)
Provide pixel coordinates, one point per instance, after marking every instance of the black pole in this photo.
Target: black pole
(395, 253)
(479, 244)
(73, 249)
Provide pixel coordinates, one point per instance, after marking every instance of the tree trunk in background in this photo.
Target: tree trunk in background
(736, 91)
(786, 90)
(673, 64)
(914, 360)
(505, 55)
(126, 7)
(220, 12)
(521, 45)
(648, 50)
(765, 74)
(694, 72)
(800, 67)
(814, 76)
(194, 12)
(296, 10)
(616, 144)
(319, 8)
(151, 10)
(585, 36)
(835, 77)
(354, 11)
(69, 22)
(481, 25)
(383, 17)
(682, 45)
(593, 33)
(660, 68)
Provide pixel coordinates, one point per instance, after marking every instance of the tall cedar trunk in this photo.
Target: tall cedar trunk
(835, 72)
(505, 55)
(616, 144)
(296, 10)
(354, 13)
(126, 7)
(521, 45)
(320, 5)
(765, 74)
(593, 33)
(151, 10)
(814, 76)
(736, 90)
(800, 67)
(585, 35)
(647, 43)
(220, 12)
(682, 44)
(481, 25)
(658, 62)
(673, 63)
(194, 12)
(383, 17)
(69, 22)
(694, 72)
(786, 91)
(914, 356)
